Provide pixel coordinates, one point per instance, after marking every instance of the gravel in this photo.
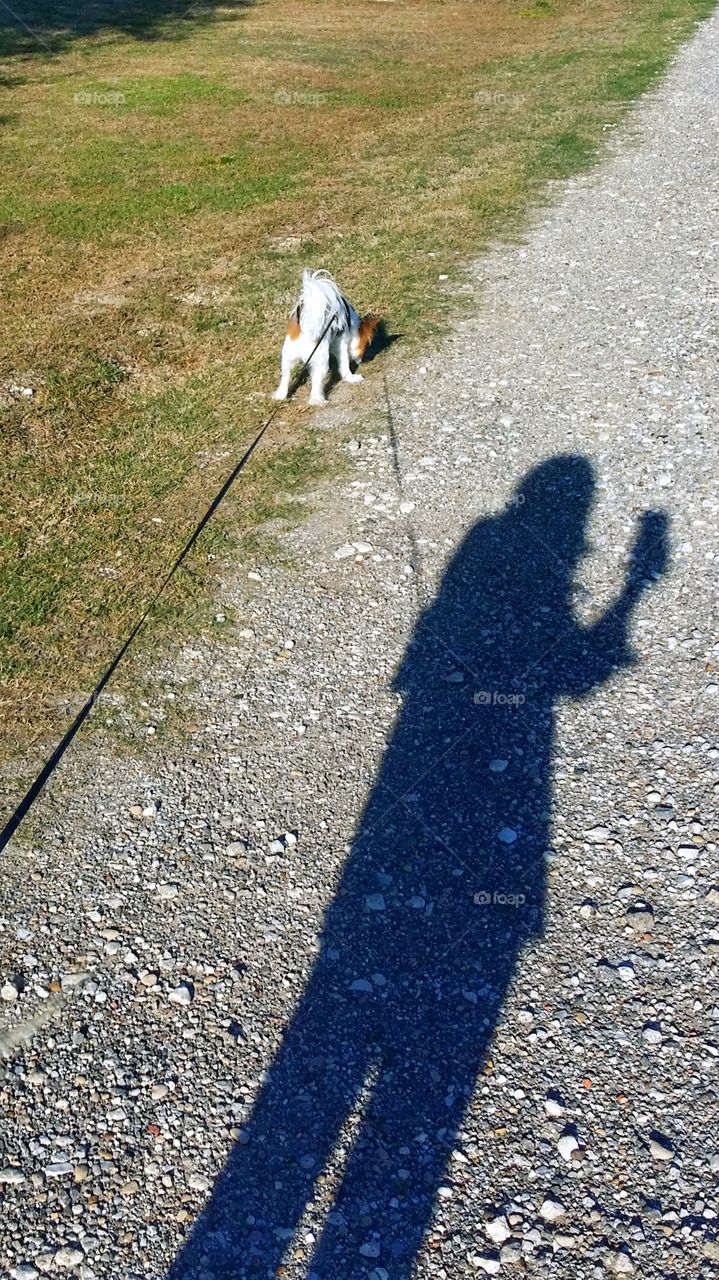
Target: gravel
(426, 964)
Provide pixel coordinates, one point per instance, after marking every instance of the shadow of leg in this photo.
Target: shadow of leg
(386, 1201)
(269, 1179)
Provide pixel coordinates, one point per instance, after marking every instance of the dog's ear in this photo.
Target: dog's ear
(367, 328)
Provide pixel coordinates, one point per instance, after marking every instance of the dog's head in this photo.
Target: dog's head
(365, 333)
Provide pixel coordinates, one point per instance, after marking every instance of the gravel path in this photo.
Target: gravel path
(416, 936)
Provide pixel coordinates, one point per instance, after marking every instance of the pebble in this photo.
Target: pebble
(498, 1229)
(507, 835)
(563, 1240)
(67, 1257)
(652, 1033)
(487, 1263)
(167, 891)
(660, 1147)
(9, 992)
(347, 549)
(11, 1175)
(640, 917)
(554, 1103)
(552, 1210)
(375, 902)
(567, 1145)
(619, 1263)
(371, 1249)
(182, 994)
(236, 849)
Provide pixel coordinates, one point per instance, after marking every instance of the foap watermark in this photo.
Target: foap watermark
(107, 501)
(495, 98)
(496, 698)
(517, 500)
(106, 98)
(299, 98)
(498, 898)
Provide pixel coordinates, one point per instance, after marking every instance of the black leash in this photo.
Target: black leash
(415, 558)
(51, 764)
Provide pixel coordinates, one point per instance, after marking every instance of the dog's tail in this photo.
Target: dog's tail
(321, 301)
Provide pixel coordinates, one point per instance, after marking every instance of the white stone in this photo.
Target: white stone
(566, 1145)
(498, 1229)
(182, 994)
(552, 1210)
(67, 1257)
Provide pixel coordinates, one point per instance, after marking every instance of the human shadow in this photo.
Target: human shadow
(49, 26)
(443, 887)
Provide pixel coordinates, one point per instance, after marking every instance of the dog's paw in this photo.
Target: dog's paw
(354, 377)
(279, 394)
(318, 400)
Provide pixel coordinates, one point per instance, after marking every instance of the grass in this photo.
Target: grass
(167, 172)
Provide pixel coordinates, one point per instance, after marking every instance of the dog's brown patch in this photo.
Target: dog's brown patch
(293, 325)
(366, 332)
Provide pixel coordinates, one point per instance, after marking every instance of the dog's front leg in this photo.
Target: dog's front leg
(343, 361)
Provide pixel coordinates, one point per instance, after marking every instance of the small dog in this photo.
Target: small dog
(347, 339)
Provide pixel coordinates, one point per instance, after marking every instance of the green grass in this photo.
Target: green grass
(165, 179)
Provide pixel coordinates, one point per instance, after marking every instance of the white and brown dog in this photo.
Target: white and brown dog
(321, 303)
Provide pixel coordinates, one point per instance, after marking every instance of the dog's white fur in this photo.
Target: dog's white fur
(347, 338)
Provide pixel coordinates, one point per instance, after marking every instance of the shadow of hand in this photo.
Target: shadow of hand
(650, 553)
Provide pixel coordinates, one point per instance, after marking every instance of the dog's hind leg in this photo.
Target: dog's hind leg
(343, 361)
